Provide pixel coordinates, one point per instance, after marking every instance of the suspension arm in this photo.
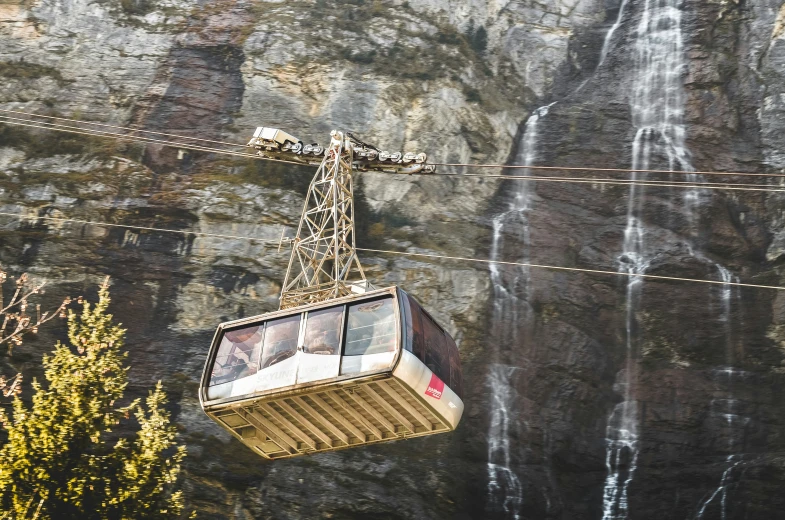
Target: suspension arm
(273, 143)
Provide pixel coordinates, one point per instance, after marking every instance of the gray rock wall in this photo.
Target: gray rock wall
(458, 80)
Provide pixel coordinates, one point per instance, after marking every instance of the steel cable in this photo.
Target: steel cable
(575, 180)
(404, 253)
(20, 216)
(610, 170)
(127, 129)
(466, 165)
(123, 137)
(623, 182)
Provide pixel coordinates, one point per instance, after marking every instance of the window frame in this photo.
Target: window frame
(298, 339)
(222, 336)
(341, 328)
(396, 320)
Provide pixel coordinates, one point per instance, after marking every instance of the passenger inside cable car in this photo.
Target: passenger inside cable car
(371, 337)
(237, 356)
(322, 331)
(280, 342)
(321, 352)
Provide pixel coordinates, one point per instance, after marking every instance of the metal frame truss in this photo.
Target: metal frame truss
(324, 262)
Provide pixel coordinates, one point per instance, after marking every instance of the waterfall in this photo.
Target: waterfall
(726, 407)
(606, 45)
(511, 312)
(727, 296)
(657, 109)
(721, 491)
(504, 486)
(657, 101)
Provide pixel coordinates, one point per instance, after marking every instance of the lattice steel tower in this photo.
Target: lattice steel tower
(324, 262)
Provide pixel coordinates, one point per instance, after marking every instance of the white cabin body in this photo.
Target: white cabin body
(350, 371)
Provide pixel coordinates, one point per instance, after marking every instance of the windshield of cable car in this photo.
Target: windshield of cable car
(238, 354)
(323, 331)
(371, 328)
(280, 340)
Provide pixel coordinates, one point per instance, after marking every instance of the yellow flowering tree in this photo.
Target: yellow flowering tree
(61, 458)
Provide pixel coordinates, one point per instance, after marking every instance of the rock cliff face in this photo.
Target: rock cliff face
(589, 396)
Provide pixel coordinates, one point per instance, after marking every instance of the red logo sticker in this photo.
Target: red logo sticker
(435, 387)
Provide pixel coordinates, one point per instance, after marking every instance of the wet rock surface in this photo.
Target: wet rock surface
(546, 355)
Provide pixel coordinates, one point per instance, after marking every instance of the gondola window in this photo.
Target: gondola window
(280, 340)
(436, 349)
(322, 331)
(371, 328)
(238, 355)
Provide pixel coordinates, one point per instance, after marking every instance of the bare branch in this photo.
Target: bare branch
(10, 387)
(15, 322)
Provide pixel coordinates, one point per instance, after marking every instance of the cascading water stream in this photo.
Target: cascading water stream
(606, 45)
(726, 407)
(657, 109)
(721, 491)
(504, 487)
(511, 313)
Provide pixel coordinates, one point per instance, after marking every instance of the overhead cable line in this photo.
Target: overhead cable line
(466, 165)
(123, 137)
(405, 253)
(573, 269)
(20, 216)
(610, 170)
(576, 180)
(127, 129)
(625, 182)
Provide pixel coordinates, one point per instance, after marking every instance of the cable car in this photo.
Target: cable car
(349, 371)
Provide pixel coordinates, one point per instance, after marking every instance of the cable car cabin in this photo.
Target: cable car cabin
(351, 371)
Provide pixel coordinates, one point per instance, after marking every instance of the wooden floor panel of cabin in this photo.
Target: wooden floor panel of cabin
(332, 419)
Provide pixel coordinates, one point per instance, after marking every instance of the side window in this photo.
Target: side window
(414, 334)
(323, 331)
(238, 354)
(280, 340)
(436, 350)
(456, 378)
(406, 313)
(371, 328)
